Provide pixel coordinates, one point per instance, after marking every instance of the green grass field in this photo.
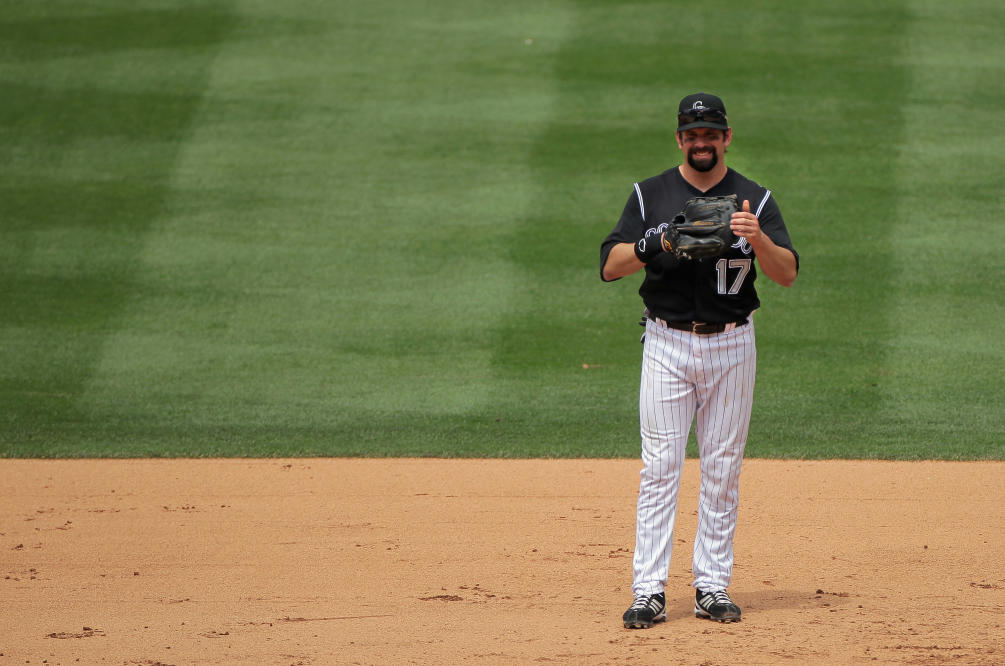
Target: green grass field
(360, 228)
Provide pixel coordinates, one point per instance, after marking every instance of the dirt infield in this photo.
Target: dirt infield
(514, 562)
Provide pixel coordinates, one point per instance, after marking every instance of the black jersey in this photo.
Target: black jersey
(713, 289)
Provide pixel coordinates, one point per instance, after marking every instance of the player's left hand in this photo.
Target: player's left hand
(745, 225)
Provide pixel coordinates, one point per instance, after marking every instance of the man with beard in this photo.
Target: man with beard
(698, 356)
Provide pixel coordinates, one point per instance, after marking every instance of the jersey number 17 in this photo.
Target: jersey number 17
(722, 268)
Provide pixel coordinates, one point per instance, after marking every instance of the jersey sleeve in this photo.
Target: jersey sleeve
(630, 228)
(772, 224)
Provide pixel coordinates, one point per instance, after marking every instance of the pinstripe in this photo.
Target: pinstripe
(708, 380)
(722, 442)
(666, 406)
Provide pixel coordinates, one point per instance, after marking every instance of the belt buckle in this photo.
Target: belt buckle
(695, 325)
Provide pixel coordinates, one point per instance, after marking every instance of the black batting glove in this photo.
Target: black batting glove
(648, 247)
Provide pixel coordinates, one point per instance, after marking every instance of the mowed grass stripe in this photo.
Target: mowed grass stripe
(881, 370)
(329, 273)
(944, 385)
(91, 124)
(813, 131)
(462, 127)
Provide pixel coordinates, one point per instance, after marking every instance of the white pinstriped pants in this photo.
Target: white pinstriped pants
(686, 375)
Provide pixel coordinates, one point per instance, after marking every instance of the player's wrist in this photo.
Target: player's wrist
(648, 247)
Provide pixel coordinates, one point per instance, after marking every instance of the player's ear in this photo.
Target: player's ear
(680, 140)
(728, 138)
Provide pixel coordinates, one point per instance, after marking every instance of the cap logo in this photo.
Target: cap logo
(698, 105)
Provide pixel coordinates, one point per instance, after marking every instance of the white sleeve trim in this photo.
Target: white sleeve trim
(760, 206)
(642, 206)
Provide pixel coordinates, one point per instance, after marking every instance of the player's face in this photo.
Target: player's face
(703, 146)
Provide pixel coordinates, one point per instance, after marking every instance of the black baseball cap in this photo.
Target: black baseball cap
(701, 110)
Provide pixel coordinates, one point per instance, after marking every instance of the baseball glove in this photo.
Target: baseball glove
(702, 228)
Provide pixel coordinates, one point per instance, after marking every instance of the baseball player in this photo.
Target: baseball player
(698, 356)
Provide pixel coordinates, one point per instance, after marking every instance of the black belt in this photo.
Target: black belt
(699, 327)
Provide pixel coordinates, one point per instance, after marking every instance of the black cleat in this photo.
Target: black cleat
(645, 611)
(715, 606)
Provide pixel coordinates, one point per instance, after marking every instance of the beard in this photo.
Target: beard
(705, 163)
